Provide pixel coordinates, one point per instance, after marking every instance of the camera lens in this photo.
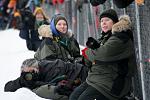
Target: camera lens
(28, 76)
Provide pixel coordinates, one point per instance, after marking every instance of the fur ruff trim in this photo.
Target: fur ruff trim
(124, 24)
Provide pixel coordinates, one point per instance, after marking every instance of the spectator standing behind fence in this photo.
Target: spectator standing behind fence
(59, 43)
(30, 25)
(113, 60)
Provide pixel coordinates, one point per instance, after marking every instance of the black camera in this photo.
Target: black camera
(30, 76)
(27, 17)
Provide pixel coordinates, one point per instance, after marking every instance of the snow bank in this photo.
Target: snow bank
(12, 53)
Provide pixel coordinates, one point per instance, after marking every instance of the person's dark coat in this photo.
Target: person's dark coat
(31, 35)
(51, 69)
(5, 7)
(21, 4)
(27, 18)
(113, 62)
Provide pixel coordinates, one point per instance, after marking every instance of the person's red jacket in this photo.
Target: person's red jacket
(60, 1)
(57, 1)
(54, 2)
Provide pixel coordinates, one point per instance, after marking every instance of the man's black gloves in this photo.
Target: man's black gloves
(92, 43)
(64, 87)
(12, 86)
(25, 80)
(63, 90)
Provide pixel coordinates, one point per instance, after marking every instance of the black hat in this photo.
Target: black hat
(97, 2)
(122, 3)
(59, 17)
(110, 14)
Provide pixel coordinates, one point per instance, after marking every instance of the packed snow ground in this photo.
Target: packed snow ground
(13, 52)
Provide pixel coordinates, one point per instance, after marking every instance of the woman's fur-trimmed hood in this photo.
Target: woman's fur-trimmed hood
(123, 24)
(45, 31)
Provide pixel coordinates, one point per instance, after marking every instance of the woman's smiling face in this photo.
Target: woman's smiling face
(106, 24)
(39, 16)
(61, 26)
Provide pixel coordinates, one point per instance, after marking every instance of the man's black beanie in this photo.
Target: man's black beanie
(110, 13)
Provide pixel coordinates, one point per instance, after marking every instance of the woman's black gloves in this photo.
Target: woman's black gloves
(92, 43)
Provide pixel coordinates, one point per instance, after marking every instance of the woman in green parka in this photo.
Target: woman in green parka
(59, 43)
(112, 58)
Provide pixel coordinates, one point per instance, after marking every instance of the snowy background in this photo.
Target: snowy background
(13, 52)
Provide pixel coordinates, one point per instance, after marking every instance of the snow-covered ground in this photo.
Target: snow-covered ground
(13, 52)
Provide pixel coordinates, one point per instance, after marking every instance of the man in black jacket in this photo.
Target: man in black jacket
(48, 79)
